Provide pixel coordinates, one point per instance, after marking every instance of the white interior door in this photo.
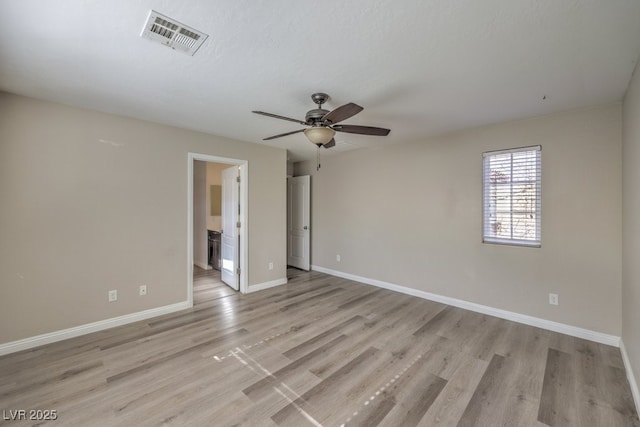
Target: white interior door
(298, 225)
(230, 233)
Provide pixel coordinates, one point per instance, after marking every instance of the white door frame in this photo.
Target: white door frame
(244, 203)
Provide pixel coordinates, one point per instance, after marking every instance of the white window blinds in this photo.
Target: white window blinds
(512, 196)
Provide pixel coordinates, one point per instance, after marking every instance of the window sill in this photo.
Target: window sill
(507, 242)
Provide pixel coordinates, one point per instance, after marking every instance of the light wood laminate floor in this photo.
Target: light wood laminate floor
(320, 351)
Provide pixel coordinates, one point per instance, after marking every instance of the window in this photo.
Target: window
(512, 184)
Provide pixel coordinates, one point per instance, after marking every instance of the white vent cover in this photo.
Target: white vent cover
(170, 32)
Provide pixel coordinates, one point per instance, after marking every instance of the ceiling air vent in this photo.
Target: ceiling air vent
(170, 32)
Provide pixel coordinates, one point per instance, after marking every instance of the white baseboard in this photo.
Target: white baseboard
(203, 265)
(51, 337)
(562, 328)
(630, 377)
(267, 285)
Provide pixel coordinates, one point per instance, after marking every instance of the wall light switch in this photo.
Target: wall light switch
(143, 290)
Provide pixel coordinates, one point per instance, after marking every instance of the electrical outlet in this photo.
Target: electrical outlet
(271, 266)
(113, 295)
(143, 290)
(553, 299)
(338, 258)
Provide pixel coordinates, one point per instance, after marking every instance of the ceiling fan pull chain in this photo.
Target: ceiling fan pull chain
(318, 159)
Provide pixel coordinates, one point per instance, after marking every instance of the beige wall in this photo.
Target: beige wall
(411, 215)
(92, 202)
(214, 177)
(631, 224)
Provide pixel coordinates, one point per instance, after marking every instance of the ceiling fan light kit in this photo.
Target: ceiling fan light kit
(323, 124)
(319, 135)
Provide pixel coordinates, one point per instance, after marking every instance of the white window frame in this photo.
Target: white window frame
(489, 212)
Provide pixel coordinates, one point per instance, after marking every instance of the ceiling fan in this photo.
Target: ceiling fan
(323, 124)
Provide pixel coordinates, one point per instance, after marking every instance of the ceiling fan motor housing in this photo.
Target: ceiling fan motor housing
(314, 116)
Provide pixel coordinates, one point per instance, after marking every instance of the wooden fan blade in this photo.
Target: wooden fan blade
(330, 144)
(342, 113)
(283, 134)
(362, 130)
(275, 116)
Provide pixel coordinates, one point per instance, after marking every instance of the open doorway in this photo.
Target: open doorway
(217, 238)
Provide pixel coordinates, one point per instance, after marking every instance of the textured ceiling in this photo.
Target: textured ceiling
(418, 67)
